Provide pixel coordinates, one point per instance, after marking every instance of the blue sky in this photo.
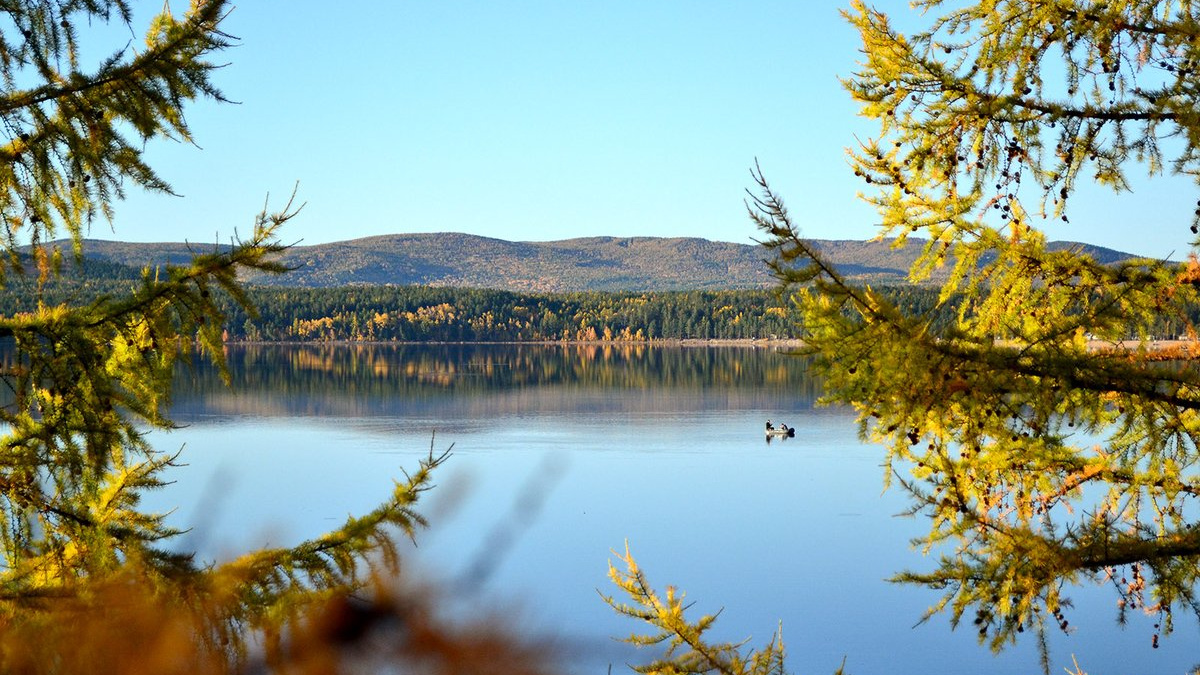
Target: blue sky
(534, 120)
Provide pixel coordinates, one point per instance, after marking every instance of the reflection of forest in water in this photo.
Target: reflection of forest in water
(371, 379)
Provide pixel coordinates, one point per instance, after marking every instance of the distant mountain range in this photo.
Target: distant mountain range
(586, 264)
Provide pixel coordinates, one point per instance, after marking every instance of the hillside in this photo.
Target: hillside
(586, 264)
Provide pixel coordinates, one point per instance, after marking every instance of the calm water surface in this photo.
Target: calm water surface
(563, 454)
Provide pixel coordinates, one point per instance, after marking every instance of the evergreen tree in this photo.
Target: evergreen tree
(82, 382)
(1045, 439)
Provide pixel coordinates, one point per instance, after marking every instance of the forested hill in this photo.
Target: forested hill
(588, 264)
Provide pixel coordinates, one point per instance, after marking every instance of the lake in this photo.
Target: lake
(562, 454)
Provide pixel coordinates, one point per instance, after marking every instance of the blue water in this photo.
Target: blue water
(546, 480)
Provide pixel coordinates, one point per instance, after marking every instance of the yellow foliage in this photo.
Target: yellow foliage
(121, 626)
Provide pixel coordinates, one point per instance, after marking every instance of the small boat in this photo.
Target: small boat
(782, 430)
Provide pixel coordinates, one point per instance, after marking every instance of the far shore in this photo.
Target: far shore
(791, 343)
(1175, 348)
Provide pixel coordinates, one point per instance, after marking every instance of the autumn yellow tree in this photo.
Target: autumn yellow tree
(82, 382)
(1041, 434)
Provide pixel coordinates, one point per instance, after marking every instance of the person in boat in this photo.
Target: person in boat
(783, 430)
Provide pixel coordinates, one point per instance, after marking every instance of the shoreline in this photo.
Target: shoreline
(671, 342)
(1160, 347)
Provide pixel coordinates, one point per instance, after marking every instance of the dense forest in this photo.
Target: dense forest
(444, 314)
(447, 314)
(430, 314)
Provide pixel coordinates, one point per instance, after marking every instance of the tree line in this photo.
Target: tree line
(446, 314)
(452, 314)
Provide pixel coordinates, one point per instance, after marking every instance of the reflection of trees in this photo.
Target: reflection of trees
(411, 373)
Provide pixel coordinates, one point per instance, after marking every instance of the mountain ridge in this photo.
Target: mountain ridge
(597, 263)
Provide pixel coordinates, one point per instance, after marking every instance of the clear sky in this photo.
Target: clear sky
(537, 120)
